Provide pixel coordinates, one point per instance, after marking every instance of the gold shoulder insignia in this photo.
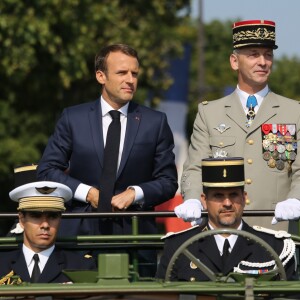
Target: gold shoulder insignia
(178, 232)
(88, 256)
(10, 279)
(205, 102)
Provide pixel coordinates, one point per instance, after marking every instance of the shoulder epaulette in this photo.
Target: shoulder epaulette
(171, 233)
(277, 233)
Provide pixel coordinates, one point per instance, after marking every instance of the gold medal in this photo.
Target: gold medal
(272, 163)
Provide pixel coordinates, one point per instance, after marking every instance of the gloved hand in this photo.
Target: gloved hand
(189, 210)
(287, 210)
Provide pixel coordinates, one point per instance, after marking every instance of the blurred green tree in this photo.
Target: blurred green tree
(47, 63)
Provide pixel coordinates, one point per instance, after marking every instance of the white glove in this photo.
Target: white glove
(287, 210)
(189, 210)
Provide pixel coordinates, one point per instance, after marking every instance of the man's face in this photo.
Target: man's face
(119, 82)
(254, 66)
(224, 206)
(40, 229)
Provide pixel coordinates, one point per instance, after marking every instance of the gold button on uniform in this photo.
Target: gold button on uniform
(250, 142)
(248, 181)
(192, 279)
(221, 144)
(248, 201)
(249, 161)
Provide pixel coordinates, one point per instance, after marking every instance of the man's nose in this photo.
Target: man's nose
(227, 202)
(45, 222)
(262, 60)
(129, 77)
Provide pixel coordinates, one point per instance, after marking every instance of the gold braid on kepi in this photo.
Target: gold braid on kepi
(41, 203)
(10, 279)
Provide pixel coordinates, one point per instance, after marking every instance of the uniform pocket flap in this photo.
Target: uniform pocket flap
(222, 141)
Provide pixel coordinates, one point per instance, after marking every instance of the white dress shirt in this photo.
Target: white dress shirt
(83, 189)
(259, 97)
(43, 256)
(221, 239)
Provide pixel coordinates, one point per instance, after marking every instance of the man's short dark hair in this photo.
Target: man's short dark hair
(101, 57)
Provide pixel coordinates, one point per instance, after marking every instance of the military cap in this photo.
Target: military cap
(223, 172)
(250, 33)
(41, 196)
(25, 174)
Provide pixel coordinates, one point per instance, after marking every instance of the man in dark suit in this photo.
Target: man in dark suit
(39, 260)
(224, 198)
(146, 173)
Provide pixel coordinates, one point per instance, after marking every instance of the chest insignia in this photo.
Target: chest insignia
(222, 127)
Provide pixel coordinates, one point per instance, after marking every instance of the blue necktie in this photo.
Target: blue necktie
(251, 103)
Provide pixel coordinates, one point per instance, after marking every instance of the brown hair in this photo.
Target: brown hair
(101, 56)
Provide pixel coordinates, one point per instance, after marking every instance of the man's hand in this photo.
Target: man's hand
(190, 210)
(93, 197)
(123, 201)
(287, 210)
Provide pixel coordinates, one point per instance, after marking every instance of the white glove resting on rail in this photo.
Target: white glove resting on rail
(190, 211)
(287, 210)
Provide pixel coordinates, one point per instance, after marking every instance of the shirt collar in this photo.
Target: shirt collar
(259, 95)
(106, 108)
(44, 255)
(231, 239)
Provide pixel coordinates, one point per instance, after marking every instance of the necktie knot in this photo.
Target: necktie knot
(251, 101)
(115, 114)
(36, 258)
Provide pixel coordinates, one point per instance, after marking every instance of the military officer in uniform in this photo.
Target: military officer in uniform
(224, 199)
(38, 260)
(252, 122)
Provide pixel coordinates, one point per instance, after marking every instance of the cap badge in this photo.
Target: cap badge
(220, 153)
(222, 127)
(45, 190)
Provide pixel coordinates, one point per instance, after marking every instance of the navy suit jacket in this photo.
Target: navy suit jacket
(59, 260)
(147, 159)
(206, 250)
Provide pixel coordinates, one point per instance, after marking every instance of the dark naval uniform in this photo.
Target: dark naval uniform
(206, 250)
(52, 273)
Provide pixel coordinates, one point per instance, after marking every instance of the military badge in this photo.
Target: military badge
(222, 127)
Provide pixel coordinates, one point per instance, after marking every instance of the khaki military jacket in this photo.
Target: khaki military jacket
(220, 128)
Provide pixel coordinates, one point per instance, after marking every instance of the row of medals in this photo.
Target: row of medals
(278, 150)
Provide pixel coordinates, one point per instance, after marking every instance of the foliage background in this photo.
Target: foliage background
(46, 63)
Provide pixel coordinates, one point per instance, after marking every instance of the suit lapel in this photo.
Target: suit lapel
(20, 268)
(95, 119)
(53, 267)
(235, 112)
(209, 248)
(134, 118)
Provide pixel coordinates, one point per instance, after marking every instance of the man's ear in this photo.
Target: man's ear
(244, 198)
(21, 219)
(101, 77)
(203, 200)
(234, 62)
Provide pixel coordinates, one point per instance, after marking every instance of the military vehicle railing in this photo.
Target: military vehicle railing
(121, 288)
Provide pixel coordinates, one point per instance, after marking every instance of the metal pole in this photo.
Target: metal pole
(201, 56)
